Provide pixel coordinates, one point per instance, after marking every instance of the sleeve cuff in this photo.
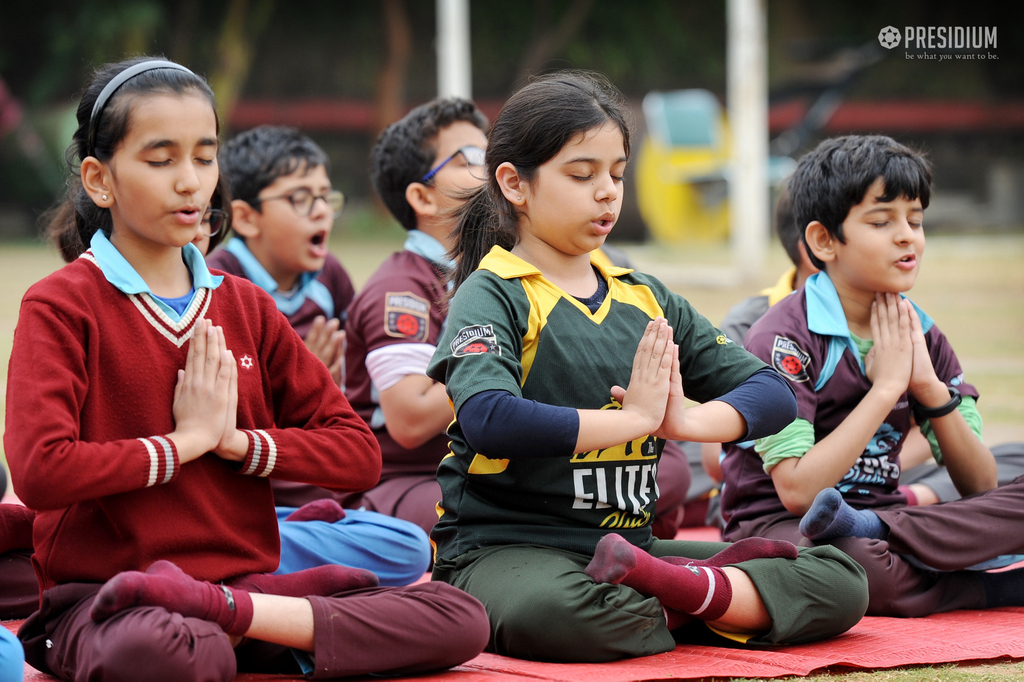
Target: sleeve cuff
(163, 460)
(262, 455)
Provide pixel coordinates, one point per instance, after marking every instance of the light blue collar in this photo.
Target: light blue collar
(422, 244)
(825, 314)
(122, 275)
(288, 302)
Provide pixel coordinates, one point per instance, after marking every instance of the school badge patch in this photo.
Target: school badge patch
(789, 360)
(406, 316)
(475, 340)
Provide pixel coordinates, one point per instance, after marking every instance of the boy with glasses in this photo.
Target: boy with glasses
(282, 213)
(421, 166)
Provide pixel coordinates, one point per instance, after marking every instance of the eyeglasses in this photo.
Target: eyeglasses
(302, 201)
(212, 222)
(474, 157)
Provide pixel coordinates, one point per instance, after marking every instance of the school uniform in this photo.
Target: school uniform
(806, 339)
(393, 327)
(518, 532)
(89, 394)
(396, 550)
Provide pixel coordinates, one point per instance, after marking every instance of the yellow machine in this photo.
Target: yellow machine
(682, 167)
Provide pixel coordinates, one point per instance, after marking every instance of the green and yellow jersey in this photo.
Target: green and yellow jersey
(511, 329)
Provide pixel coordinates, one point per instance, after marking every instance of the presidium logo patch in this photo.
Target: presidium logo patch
(475, 340)
(789, 360)
(407, 316)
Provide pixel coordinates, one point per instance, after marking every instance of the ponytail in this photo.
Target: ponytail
(485, 221)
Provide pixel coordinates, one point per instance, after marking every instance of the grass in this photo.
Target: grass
(972, 286)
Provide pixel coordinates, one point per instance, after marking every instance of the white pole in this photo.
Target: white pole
(747, 76)
(454, 69)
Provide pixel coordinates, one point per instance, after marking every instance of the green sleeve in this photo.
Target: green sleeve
(710, 363)
(969, 409)
(793, 441)
(481, 348)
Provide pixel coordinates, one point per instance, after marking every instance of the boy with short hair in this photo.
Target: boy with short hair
(420, 167)
(283, 210)
(863, 361)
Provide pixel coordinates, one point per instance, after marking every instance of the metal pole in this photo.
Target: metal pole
(454, 70)
(747, 84)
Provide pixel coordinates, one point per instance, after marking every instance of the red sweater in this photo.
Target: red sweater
(89, 395)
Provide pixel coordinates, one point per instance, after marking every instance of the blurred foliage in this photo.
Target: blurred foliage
(337, 49)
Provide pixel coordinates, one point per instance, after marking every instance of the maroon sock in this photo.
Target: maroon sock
(318, 510)
(701, 591)
(676, 619)
(321, 581)
(743, 550)
(15, 527)
(164, 584)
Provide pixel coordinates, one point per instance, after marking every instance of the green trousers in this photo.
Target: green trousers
(543, 607)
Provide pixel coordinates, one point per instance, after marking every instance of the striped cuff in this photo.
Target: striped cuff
(262, 455)
(163, 460)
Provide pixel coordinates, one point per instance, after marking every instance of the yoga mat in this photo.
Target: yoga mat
(956, 637)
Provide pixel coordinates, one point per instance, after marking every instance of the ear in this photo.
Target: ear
(245, 220)
(805, 265)
(421, 199)
(511, 184)
(96, 179)
(820, 242)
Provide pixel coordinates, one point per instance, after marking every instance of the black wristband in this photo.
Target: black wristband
(922, 413)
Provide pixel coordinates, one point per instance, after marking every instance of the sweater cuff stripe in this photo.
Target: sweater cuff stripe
(163, 460)
(170, 458)
(255, 453)
(271, 453)
(154, 461)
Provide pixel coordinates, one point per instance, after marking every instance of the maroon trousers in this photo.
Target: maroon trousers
(949, 537)
(397, 630)
(19, 588)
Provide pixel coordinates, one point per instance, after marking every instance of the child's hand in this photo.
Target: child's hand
(326, 341)
(675, 409)
(233, 444)
(648, 391)
(202, 394)
(888, 363)
(925, 385)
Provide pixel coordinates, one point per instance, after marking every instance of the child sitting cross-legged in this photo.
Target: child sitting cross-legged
(867, 365)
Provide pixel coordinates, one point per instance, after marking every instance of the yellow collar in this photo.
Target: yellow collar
(782, 288)
(509, 266)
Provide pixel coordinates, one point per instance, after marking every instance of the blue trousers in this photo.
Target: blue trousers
(397, 551)
(12, 658)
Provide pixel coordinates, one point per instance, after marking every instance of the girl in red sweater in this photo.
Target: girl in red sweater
(148, 402)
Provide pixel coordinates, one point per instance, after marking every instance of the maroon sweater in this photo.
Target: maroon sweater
(89, 397)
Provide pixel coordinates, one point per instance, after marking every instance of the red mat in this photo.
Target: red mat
(955, 637)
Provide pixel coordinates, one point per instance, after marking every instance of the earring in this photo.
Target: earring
(104, 197)
(519, 198)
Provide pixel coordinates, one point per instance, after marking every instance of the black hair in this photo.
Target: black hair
(72, 224)
(254, 159)
(533, 126)
(221, 199)
(786, 226)
(407, 150)
(836, 175)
